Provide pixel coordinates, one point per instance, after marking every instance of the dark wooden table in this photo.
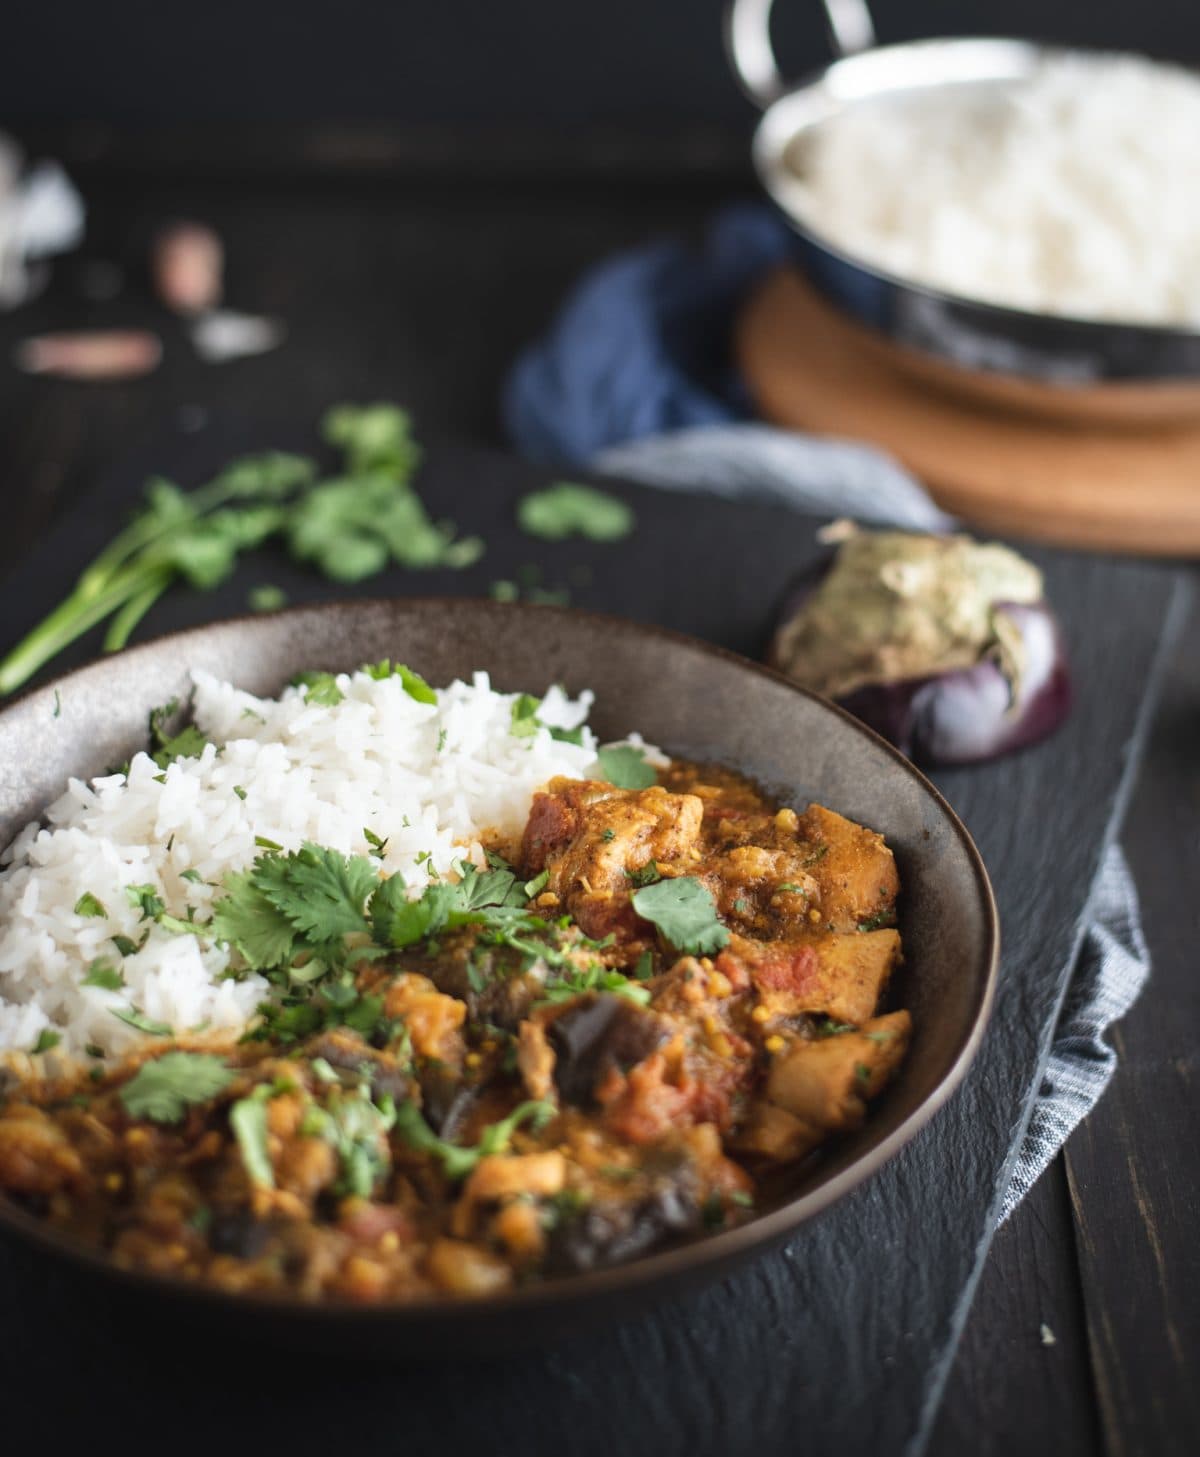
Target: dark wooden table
(415, 274)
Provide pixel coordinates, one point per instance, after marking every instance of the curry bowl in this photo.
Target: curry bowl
(697, 701)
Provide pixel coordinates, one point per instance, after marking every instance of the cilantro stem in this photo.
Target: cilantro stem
(124, 621)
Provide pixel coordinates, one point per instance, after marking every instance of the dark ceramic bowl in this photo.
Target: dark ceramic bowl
(693, 699)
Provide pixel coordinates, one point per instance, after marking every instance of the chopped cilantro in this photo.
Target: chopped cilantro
(644, 969)
(57, 705)
(567, 509)
(504, 591)
(647, 875)
(264, 844)
(625, 766)
(93, 1050)
(134, 1017)
(878, 921)
(187, 743)
(862, 1073)
(145, 898)
(441, 743)
(356, 1128)
(46, 1039)
(162, 1090)
(319, 688)
(239, 791)
(266, 598)
(248, 1119)
(571, 983)
(88, 905)
(685, 914)
(458, 1162)
(827, 1027)
(609, 836)
(103, 974)
(412, 683)
(192, 875)
(533, 888)
(378, 846)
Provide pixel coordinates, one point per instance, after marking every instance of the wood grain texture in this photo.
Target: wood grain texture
(1135, 1186)
(423, 292)
(1110, 467)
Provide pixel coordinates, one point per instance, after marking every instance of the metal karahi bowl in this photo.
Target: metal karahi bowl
(968, 332)
(694, 699)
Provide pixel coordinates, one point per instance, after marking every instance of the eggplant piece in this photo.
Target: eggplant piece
(609, 1232)
(237, 1232)
(596, 1032)
(1003, 684)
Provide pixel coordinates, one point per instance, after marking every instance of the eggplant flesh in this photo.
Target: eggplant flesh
(964, 714)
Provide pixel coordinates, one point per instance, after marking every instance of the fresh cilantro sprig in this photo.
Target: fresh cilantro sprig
(164, 1089)
(685, 914)
(348, 527)
(357, 1130)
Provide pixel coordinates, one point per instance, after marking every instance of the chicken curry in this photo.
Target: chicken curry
(597, 1045)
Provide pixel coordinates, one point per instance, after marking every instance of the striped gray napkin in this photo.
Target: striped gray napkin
(847, 478)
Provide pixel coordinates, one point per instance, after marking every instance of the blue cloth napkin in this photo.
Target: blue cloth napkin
(641, 346)
(635, 378)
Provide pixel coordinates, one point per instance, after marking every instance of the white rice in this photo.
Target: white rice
(428, 779)
(1075, 192)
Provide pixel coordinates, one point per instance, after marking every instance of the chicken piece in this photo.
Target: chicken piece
(434, 1020)
(36, 1156)
(838, 976)
(855, 871)
(592, 837)
(826, 1082)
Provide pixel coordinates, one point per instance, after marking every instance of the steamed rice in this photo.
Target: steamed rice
(429, 779)
(1074, 192)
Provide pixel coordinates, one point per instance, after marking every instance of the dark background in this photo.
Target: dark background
(534, 63)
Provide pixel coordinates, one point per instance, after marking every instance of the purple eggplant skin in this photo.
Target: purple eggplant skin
(965, 715)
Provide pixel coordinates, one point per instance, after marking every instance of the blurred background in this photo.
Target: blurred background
(534, 63)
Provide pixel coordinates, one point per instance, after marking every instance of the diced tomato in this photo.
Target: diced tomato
(786, 969)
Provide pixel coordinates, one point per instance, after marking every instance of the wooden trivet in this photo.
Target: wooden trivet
(1112, 466)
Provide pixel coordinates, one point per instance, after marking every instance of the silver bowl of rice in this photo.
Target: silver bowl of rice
(1006, 206)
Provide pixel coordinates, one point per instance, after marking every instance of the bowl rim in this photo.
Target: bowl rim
(717, 1250)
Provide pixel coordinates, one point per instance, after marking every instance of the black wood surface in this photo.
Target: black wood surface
(850, 1329)
(411, 288)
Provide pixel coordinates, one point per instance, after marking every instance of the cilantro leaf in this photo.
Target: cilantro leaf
(398, 921)
(685, 913)
(626, 767)
(524, 720)
(357, 1129)
(319, 688)
(136, 1018)
(46, 1039)
(248, 1119)
(566, 509)
(88, 905)
(373, 437)
(244, 918)
(266, 598)
(321, 891)
(413, 684)
(162, 1090)
(573, 982)
(103, 974)
(186, 743)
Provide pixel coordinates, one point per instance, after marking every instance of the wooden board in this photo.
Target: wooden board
(839, 1342)
(1111, 466)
